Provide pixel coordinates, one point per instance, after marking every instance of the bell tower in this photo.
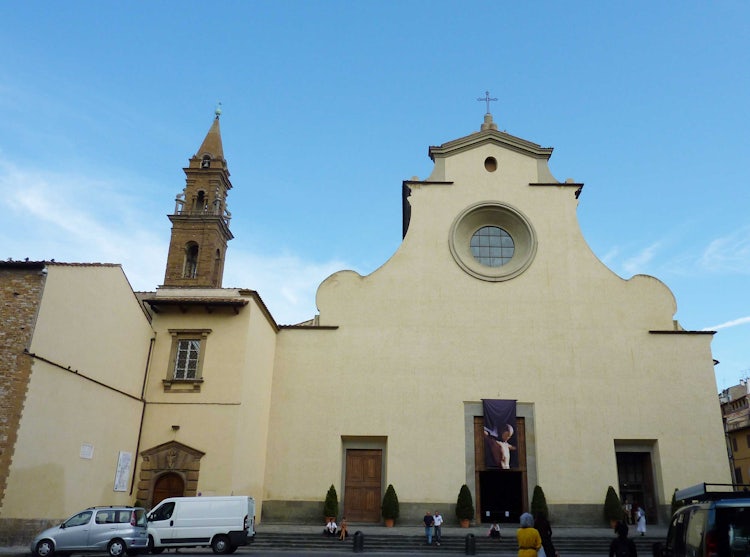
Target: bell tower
(200, 222)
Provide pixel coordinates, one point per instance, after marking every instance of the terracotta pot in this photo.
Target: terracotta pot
(388, 522)
(464, 522)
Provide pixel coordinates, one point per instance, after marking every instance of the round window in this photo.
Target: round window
(492, 246)
(492, 241)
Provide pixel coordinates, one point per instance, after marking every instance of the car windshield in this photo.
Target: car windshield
(78, 520)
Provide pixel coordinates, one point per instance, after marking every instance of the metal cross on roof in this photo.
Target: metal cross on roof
(487, 99)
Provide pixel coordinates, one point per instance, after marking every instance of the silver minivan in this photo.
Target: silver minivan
(116, 530)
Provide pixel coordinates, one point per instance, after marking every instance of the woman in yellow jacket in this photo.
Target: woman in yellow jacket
(529, 540)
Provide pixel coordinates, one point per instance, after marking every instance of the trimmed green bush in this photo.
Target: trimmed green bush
(389, 508)
(331, 505)
(612, 507)
(464, 504)
(539, 503)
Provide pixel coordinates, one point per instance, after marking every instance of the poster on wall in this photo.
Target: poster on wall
(500, 446)
(123, 471)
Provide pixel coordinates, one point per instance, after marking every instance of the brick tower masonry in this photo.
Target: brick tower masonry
(200, 222)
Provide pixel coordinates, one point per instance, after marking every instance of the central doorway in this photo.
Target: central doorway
(362, 486)
(502, 495)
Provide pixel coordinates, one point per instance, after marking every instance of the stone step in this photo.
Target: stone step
(416, 544)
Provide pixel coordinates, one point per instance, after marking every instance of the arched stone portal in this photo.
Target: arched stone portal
(168, 470)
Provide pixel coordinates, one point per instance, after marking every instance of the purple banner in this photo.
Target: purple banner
(500, 434)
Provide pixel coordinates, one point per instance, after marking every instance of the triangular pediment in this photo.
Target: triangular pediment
(494, 137)
(171, 448)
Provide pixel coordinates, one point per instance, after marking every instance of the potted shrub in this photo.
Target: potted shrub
(612, 507)
(539, 503)
(464, 506)
(331, 504)
(389, 509)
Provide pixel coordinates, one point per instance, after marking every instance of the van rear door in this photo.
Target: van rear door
(732, 530)
(250, 518)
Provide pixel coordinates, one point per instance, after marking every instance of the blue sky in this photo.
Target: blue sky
(329, 105)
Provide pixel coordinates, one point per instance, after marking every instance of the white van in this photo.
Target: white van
(224, 523)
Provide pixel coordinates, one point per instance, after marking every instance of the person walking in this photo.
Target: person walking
(640, 515)
(542, 526)
(438, 522)
(529, 540)
(428, 524)
(622, 545)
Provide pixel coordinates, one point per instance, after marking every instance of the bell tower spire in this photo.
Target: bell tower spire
(200, 222)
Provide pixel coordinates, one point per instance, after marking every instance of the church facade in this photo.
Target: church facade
(493, 299)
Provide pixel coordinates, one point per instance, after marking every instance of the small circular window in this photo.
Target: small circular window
(492, 246)
(492, 241)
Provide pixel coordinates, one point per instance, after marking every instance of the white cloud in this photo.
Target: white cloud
(728, 324)
(609, 258)
(639, 262)
(728, 253)
(286, 283)
(73, 218)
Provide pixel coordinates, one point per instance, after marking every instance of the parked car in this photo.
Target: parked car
(116, 530)
(222, 523)
(714, 522)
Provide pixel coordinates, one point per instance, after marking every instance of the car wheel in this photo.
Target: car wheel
(45, 548)
(154, 550)
(116, 548)
(220, 545)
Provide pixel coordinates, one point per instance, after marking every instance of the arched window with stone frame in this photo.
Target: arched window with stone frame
(190, 270)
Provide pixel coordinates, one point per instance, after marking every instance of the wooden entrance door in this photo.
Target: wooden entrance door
(362, 489)
(168, 485)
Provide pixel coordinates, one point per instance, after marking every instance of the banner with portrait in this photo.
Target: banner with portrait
(500, 434)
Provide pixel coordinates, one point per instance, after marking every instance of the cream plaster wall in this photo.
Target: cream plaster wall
(419, 337)
(89, 320)
(228, 418)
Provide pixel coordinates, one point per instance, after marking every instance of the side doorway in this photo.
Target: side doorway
(636, 483)
(363, 485)
(167, 485)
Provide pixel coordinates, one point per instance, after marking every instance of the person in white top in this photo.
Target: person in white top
(641, 520)
(331, 527)
(438, 521)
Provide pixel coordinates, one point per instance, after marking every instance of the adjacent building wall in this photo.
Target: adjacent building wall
(226, 418)
(21, 289)
(83, 406)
